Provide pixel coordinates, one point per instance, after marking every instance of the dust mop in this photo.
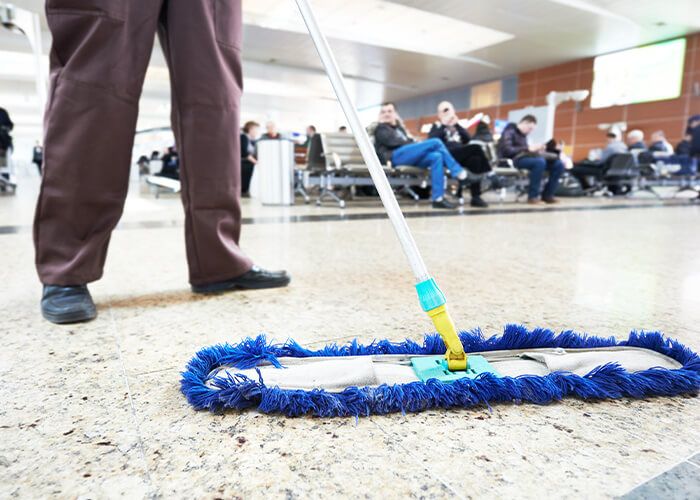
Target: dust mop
(518, 366)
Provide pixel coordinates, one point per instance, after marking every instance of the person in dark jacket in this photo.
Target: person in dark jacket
(171, 164)
(394, 144)
(686, 144)
(694, 133)
(6, 127)
(483, 130)
(514, 145)
(635, 140)
(456, 139)
(249, 135)
(38, 156)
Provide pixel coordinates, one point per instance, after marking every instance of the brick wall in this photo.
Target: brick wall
(579, 129)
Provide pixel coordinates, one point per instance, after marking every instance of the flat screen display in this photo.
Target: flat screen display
(644, 74)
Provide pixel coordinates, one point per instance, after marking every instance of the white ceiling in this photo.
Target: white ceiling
(389, 49)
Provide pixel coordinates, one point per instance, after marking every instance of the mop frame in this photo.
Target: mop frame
(608, 381)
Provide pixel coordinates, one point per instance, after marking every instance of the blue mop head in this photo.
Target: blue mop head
(608, 381)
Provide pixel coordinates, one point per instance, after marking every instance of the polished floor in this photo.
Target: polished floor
(94, 410)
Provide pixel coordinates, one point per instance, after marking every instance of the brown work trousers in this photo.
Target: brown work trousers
(99, 56)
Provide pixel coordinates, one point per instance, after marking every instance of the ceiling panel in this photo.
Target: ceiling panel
(497, 37)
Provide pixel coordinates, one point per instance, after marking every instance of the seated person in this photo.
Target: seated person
(456, 139)
(660, 147)
(394, 144)
(683, 147)
(483, 130)
(694, 132)
(635, 140)
(249, 135)
(171, 164)
(588, 172)
(514, 145)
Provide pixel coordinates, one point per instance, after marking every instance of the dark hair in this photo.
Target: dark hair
(312, 128)
(342, 128)
(528, 119)
(249, 125)
(388, 103)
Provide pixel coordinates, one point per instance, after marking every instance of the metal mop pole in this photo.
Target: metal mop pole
(431, 298)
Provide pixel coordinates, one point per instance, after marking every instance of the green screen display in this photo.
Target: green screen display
(644, 74)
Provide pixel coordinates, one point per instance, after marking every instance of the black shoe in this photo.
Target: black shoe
(67, 304)
(475, 191)
(443, 203)
(478, 203)
(256, 278)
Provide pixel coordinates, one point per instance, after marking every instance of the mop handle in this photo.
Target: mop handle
(431, 297)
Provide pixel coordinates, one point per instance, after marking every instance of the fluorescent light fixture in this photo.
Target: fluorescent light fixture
(382, 24)
(594, 9)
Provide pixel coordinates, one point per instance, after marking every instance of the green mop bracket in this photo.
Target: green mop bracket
(427, 367)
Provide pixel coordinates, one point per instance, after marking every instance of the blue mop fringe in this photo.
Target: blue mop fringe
(609, 381)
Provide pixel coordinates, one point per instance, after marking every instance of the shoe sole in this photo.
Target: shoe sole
(67, 319)
(223, 288)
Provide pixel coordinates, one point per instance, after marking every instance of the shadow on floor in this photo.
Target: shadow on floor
(154, 299)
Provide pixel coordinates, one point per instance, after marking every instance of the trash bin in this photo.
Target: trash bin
(275, 172)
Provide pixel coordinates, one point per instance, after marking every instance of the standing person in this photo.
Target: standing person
(393, 144)
(456, 139)
(249, 135)
(271, 132)
(514, 145)
(99, 58)
(38, 156)
(6, 126)
(310, 133)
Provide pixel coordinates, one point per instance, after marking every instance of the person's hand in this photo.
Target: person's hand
(252, 159)
(535, 148)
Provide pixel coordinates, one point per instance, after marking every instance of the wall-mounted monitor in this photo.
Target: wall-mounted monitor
(645, 74)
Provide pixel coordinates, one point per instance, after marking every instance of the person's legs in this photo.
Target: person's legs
(536, 165)
(455, 169)
(202, 43)
(471, 157)
(434, 161)
(556, 169)
(247, 168)
(426, 155)
(411, 154)
(99, 57)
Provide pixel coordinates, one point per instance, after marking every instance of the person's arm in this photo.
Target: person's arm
(508, 147)
(386, 136)
(463, 134)
(436, 132)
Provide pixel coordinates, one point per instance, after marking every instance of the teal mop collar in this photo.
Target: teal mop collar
(609, 381)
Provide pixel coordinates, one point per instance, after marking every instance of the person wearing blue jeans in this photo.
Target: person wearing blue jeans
(431, 154)
(537, 166)
(514, 145)
(394, 144)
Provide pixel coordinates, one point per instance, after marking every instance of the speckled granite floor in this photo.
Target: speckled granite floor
(94, 411)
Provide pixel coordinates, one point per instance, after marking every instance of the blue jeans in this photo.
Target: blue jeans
(537, 165)
(431, 154)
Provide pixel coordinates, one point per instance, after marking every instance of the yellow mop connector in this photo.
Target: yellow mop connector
(455, 355)
(433, 302)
